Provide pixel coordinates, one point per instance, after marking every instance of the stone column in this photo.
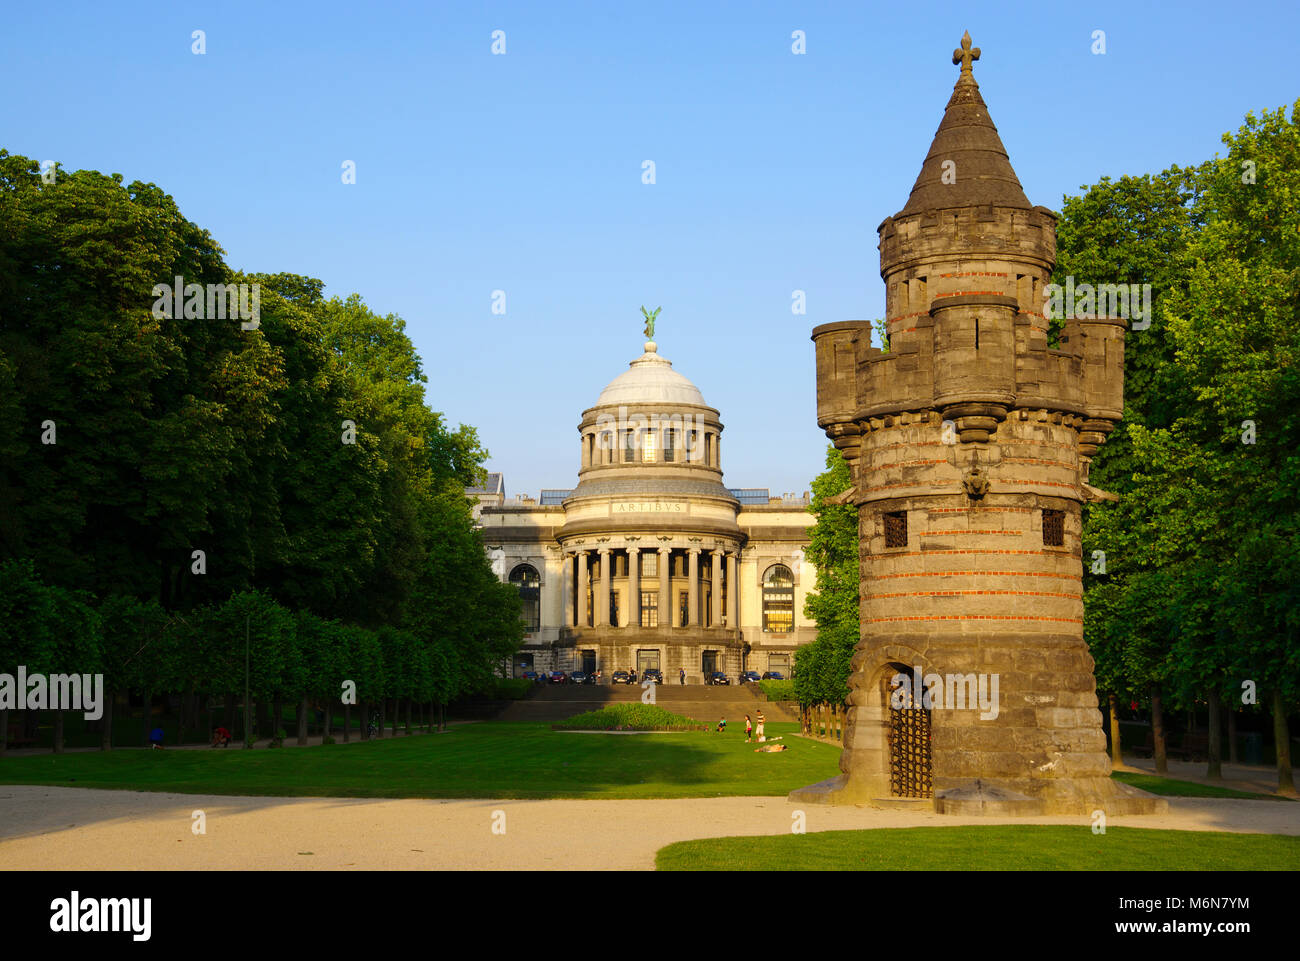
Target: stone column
(716, 612)
(583, 574)
(632, 609)
(601, 603)
(693, 603)
(570, 618)
(733, 590)
(665, 588)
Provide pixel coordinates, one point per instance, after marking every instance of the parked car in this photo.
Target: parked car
(621, 677)
(773, 676)
(749, 677)
(653, 674)
(558, 677)
(717, 677)
(578, 677)
(531, 676)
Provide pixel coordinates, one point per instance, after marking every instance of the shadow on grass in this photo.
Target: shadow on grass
(475, 761)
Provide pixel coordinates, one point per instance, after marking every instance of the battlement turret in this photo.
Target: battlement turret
(969, 439)
(965, 265)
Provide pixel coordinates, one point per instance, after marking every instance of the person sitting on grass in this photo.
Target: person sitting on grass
(221, 737)
(722, 726)
(770, 748)
(156, 739)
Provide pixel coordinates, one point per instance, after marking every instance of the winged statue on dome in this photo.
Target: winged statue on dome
(650, 321)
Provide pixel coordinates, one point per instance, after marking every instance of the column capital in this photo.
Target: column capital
(603, 550)
(695, 550)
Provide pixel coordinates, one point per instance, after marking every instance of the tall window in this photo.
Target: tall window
(670, 444)
(649, 563)
(649, 445)
(778, 600)
(526, 579)
(896, 529)
(1053, 528)
(683, 607)
(649, 608)
(629, 447)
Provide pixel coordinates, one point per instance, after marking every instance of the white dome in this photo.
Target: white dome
(650, 379)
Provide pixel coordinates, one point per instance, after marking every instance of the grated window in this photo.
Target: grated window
(896, 529)
(1053, 528)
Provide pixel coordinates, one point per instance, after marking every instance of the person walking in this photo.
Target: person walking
(682, 675)
(758, 730)
(749, 729)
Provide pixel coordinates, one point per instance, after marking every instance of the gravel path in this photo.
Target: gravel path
(84, 829)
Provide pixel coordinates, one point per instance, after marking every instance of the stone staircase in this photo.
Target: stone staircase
(704, 703)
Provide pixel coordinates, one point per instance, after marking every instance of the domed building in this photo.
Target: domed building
(651, 562)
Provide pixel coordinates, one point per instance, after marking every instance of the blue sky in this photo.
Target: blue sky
(522, 172)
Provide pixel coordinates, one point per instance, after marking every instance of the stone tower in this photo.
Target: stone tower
(969, 442)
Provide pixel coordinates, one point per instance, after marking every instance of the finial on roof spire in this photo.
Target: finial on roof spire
(965, 55)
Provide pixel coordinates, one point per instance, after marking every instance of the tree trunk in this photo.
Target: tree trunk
(365, 720)
(1232, 734)
(148, 716)
(106, 722)
(1158, 732)
(4, 730)
(347, 723)
(247, 714)
(303, 707)
(1282, 737)
(228, 717)
(1116, 747)
(277, 716)
(327, 725)
(408, 716)
(58, 732)
(383, 715)
(1215, 769)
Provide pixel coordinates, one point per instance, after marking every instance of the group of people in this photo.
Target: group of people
(754, 732)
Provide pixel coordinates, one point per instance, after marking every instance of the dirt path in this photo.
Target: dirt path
(83, 829)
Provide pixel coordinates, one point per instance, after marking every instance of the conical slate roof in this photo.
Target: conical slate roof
(981, 172)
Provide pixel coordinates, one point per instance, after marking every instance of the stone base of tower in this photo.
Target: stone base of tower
(993, 798)
(998, 724)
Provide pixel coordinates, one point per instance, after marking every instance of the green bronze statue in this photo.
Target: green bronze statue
(650, 321)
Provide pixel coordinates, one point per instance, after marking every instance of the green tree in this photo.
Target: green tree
(822, 668)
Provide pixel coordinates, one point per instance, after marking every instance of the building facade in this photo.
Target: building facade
(650, 562)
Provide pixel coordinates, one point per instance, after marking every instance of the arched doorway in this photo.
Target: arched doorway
(908, 733)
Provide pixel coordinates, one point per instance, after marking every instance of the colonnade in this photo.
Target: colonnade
(578, 573)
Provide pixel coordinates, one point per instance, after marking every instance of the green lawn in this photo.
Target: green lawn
(1172, 787)
(489, 760)
(988, 848)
